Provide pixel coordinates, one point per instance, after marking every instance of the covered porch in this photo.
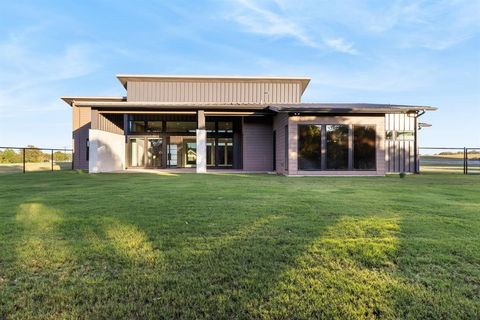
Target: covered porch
(185, 140)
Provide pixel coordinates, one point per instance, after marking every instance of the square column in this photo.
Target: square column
(201, 143)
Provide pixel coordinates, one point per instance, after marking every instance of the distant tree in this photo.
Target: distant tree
(35, 155)
(62, 156)
(10, 156)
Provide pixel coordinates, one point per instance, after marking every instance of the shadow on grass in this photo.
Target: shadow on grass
(144, 250)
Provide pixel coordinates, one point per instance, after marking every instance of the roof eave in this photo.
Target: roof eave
(70, 99)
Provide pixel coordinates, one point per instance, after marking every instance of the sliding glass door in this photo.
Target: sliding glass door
(137, 152)
(364, 151)
(336, 147)
(145, 152)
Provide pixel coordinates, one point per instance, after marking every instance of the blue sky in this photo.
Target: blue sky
(400, 52)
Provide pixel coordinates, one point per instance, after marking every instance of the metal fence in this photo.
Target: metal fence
(454, 160)
(29, 159)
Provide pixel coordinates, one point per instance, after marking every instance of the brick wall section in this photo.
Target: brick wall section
(257, 144)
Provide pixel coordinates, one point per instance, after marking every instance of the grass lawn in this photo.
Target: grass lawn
(239, 246)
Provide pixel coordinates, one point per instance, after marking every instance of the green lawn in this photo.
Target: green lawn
(239, 246)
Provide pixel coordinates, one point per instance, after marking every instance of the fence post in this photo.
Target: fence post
(23, 149)
(52, 159)
(465, 162)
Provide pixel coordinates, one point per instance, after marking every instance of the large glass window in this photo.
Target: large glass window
(405, 135)
(210, 152)
(225, 127)
(364, 137)
(210, 126)
(337, 146)
(137, 152)
(181, 152)
(154, 152)
(154, 126)
(136, 126)
(183, 126)
(310, 147)
(225, 152)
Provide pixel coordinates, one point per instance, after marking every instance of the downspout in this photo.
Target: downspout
(416, 147)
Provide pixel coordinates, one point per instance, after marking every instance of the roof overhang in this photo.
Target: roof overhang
(347, 108)
(76, 100)
(124, 78)
(170, 105)
(120, 103)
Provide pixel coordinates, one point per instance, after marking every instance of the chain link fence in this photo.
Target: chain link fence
(29, 159)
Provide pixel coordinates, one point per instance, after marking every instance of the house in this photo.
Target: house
(250, 124)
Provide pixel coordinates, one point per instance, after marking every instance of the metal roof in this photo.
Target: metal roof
(170, 105)
(346, 108)
(328, 108)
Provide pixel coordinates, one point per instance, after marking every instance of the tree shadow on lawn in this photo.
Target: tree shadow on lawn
(292, 259)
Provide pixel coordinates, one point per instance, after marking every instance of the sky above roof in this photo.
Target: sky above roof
(394, 52)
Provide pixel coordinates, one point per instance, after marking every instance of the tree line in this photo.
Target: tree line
(32, 155)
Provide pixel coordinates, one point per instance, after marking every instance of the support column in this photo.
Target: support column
(201, 143)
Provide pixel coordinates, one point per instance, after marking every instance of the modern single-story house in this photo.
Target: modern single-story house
(249, 124)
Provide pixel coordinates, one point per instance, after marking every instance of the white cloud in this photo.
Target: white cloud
(276, 22)
(341, 45)
(29, 80)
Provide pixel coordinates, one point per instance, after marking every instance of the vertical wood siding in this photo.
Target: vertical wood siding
(110, 122)
(400, 155)
(81, 122)
(215, 91)
(257, 144)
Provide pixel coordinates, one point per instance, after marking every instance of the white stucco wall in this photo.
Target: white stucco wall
(107, 151)
(201, 150)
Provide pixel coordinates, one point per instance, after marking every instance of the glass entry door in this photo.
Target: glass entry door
(154, 153)
(181, 152)
(145, 152)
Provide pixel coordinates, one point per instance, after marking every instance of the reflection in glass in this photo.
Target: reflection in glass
(154, 126)
(364, 147)
(191, 153)
(210, 152)
(225, 127)
(210, 126)
(389, 135)
(137, 152)
(337, 147)
(136, 126)
(183, 126)
(154, 153)
(225, 152)
(405, 135)
(309, 147)
(181, 152)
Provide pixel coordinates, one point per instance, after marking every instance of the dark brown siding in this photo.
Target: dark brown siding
(81, 124)
(257, 144)
(279, 123)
